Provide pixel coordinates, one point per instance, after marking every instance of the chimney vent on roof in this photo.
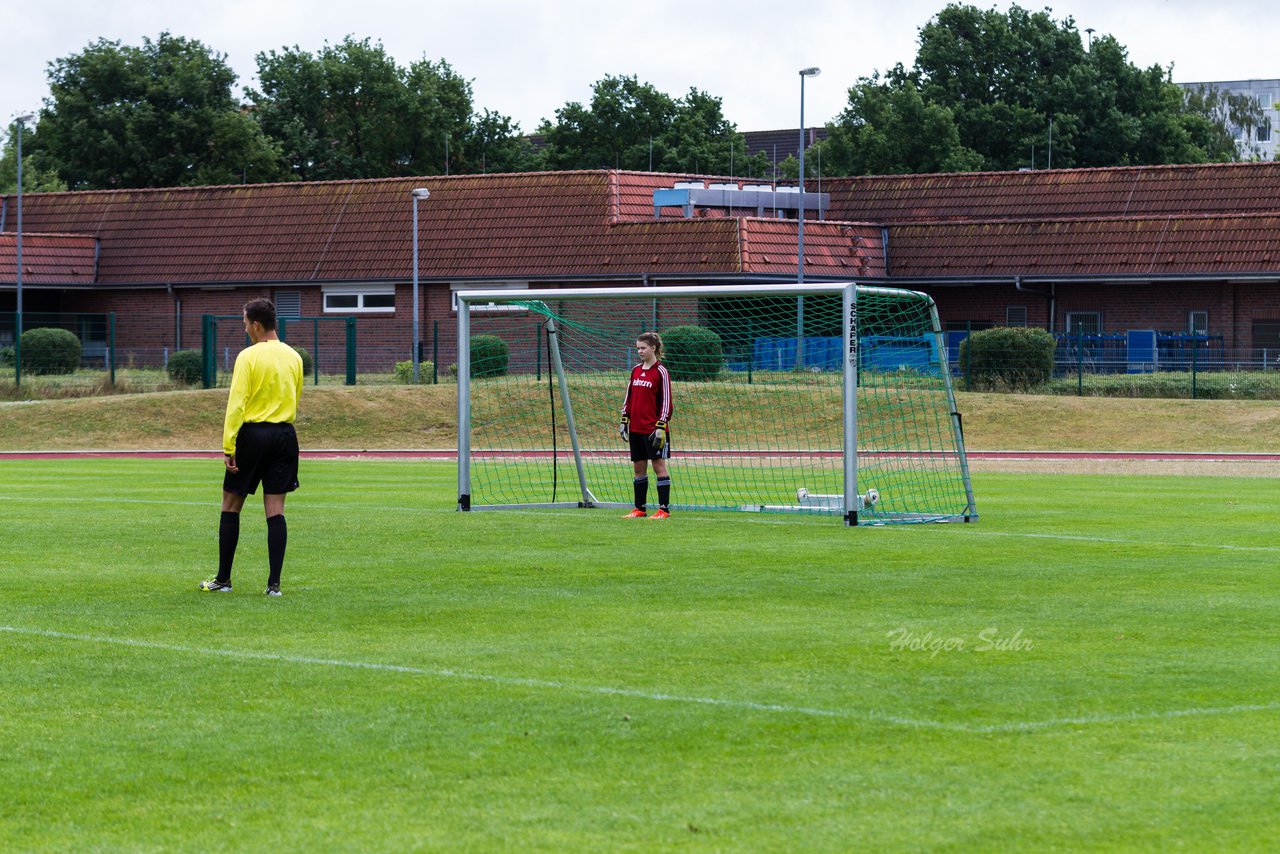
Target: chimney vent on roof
(688, 195)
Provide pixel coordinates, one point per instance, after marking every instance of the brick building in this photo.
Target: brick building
(1172, 248)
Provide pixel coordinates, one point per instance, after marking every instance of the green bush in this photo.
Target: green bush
(50, 351)
(404, 371)
(1007, 357)
(6, 356)
(489, 356)
(186, 367)
(692, 353)
(306, 360)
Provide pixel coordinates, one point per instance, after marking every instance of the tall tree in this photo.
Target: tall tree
(158, 115)
(350, 111)
(889, 128)
(632, 125)
(996, 72)
(1020, 90)
(36, 177)
(493, 143)
(625, 121)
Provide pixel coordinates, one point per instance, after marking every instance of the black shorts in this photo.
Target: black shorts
(641, 449)
(267, 454)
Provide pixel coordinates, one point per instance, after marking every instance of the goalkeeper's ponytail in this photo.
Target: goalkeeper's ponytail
(654, 340)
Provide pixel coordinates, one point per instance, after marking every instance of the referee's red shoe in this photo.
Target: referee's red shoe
(635, 514)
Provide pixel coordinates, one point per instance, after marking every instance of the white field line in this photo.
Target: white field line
(870, 715)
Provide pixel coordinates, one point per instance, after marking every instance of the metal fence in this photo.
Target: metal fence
(124, 352)
(131, 352)
(1144, 363)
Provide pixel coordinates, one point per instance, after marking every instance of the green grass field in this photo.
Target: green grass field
(1093, 665)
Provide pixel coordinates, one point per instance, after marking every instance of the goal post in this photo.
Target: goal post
(842, 407)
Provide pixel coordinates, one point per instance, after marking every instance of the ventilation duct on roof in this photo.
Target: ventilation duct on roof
(688, 195)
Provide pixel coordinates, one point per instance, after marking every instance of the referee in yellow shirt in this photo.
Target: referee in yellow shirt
(259, 441)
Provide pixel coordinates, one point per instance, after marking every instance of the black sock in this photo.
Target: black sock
(664, 492)
(277, 539)
(642, 491)
(228, 538)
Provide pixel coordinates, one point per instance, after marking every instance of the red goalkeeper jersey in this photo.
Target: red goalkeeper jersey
(648, 399)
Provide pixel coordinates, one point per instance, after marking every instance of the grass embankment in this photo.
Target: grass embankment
(383, 417)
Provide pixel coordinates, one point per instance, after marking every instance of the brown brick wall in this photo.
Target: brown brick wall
(146, 323)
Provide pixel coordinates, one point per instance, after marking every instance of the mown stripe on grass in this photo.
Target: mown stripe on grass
(869, 715)
(1121, 541)
(719, 517)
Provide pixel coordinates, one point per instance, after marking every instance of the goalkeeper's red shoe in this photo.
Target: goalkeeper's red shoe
(635, 514)
(661, 514)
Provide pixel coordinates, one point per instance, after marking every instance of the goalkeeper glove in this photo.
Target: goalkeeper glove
(624, 429)
(658, 438)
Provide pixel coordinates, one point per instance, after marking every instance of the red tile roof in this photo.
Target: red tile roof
(48, 259)
(1160, 220)
(1142, 191)
(523, 226)
(842, 250)
(1172, 245)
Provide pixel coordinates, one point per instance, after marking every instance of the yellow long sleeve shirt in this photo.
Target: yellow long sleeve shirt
(266, 385)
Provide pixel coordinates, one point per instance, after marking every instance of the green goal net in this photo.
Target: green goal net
(821, 399)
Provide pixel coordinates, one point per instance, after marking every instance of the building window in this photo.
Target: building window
(1015, 315)
(1084, 323)
(1263, 131)
(360, 299)
(288, 304)
(488, 286)
(1264, 100)
(1198, 322)
(1266, 338)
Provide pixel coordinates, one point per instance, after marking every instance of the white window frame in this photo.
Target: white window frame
(1073, 318)
(454, 287)
(1264, 100)
(1192, 325)
(360, 292)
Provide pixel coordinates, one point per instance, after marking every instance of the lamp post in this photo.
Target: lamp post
(419, 193)
(804, 72)
(17, 323)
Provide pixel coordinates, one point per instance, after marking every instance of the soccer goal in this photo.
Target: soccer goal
(822, 399)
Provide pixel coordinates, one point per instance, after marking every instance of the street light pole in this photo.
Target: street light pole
(804, 72)
(419, 193)
(17, 324)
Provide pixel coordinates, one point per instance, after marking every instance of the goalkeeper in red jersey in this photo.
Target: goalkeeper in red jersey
(645, 413)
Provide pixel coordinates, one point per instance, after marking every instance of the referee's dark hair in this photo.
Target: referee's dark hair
(261, 311)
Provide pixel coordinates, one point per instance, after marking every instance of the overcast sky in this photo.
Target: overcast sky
(525, 59)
